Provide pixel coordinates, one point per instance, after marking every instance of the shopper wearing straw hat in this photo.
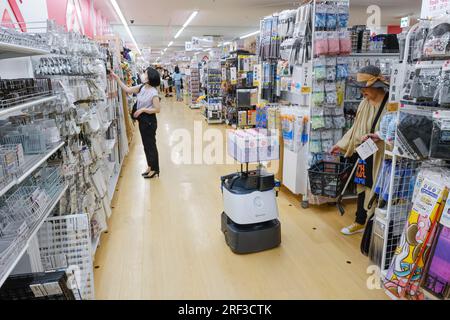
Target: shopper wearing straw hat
(375, 89)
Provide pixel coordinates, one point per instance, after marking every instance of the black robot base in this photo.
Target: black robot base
(252, 238)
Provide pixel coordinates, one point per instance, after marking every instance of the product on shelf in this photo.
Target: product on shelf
(407, 267)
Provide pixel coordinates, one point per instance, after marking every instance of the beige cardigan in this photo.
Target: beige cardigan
(353, 138)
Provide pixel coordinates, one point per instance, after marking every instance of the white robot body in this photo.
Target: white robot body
(250, 208)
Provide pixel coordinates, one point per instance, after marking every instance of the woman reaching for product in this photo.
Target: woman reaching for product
(375, 91)
(148, 105)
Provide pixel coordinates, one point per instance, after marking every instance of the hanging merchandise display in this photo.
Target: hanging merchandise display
(407, 267)
(240, 96)
(213, 110)
(194, 84)
(61, 154)
(412, 185)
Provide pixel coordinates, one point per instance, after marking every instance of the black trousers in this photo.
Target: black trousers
(148, 126)
(361, 213)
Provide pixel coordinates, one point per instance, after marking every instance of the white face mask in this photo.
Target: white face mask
(144, 77)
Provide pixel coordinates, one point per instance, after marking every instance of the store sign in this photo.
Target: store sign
(434, 8)
(188, 46)
(405, 22)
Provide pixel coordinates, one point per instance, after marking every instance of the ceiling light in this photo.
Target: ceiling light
(188, 21)
(125, 24)
(170, 43)
(249, 35)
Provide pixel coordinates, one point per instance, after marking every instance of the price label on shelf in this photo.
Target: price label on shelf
(306, 90)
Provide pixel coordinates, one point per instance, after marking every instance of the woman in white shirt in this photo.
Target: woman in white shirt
(148, 105)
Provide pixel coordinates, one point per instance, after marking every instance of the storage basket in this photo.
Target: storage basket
(328, 179)
(27, 203)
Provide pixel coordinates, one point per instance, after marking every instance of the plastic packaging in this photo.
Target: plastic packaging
(343, 15)
(437, 43)
(332, 16)
(345, 42)
(440, 138)
(333, 42)
(321, 16)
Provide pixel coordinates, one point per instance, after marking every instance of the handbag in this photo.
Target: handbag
(134, 109)
(363, 175)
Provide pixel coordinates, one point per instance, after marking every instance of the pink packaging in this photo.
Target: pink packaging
(321, 44)
(333, 43)
(345, 42)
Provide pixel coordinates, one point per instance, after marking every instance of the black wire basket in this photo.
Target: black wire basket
(328, 179)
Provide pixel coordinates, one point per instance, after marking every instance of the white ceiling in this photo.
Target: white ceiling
(156, 22)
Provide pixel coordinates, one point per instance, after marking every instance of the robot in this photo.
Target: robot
(250, 218)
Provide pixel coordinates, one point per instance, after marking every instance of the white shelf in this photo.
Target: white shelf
(112, 185)
(388, 153)
(95, 244)
(39, 161)
(35, 162)
(34, 230)
(375, 54)
(26, 105)
(8, 51)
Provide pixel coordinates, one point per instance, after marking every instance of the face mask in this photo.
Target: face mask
(144, 77)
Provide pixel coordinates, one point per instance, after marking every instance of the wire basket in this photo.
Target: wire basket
(328, 178)
(8, 252)
(53, 180)
(9, 163)
(35, 143)
(27, 203)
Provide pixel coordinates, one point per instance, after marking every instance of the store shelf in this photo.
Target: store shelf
(375, 54)
(23, 106)
(388, 153)
(95, 244)
(112, 184)
(33, 162)
(8, 51)
(33, 232)
(36, 161)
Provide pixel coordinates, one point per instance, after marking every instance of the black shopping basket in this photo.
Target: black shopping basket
(328, 179)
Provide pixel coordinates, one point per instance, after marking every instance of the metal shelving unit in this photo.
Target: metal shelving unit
(12, 110)
(33, 162)
(8, 51)
(32, 233)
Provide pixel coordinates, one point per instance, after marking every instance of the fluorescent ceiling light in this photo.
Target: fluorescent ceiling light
(170, 43)
(125, 24)
(249, 35)
(188, 21)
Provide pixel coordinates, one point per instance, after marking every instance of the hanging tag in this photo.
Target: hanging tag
(367, 149)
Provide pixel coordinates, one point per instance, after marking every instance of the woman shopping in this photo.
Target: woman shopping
(178, 80)
(167, 79)
(375, 91)
(148, 105)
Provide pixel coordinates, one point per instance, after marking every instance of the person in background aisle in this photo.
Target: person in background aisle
(166, 79)
(178, 81)
(148, 105)
(375, 91)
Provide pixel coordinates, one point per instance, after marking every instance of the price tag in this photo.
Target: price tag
(367, 149)
(306, 90)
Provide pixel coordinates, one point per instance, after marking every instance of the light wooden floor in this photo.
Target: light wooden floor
(165, 242)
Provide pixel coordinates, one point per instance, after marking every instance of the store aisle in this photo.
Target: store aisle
(164, 240)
